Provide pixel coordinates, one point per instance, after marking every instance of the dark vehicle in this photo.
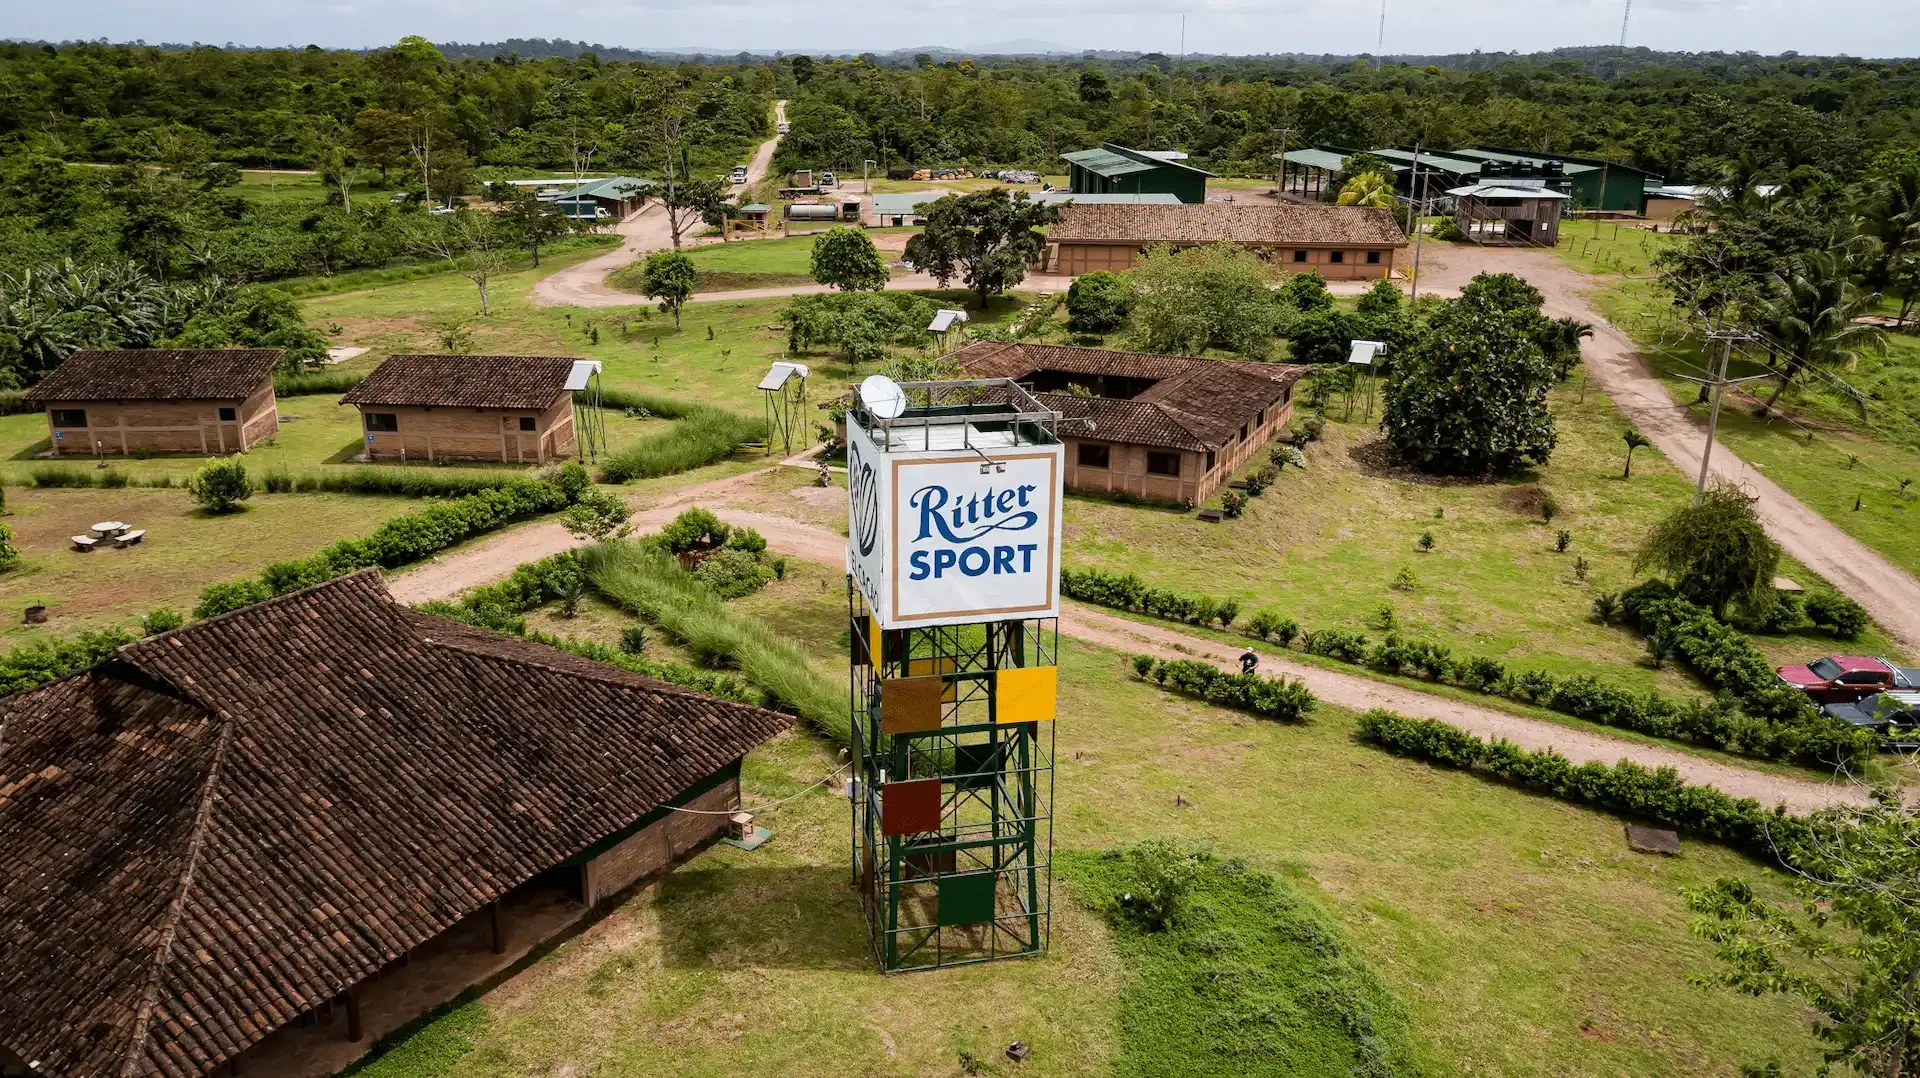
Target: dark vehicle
(1840, 679)
(1893, 715)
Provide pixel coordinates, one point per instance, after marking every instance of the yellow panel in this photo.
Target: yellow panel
(910, 705)
(1027, 694)
(944, 664)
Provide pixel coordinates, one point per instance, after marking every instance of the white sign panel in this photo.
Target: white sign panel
(934, 541)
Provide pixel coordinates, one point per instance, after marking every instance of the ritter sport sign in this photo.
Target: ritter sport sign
(935, 542)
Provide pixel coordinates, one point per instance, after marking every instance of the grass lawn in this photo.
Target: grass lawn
(1822, 451)
(1324, 546)
(1520, 933)
(184, 550)
(317, 433)
(769, 263)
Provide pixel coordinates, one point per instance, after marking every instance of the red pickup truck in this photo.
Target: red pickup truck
(1840, 679)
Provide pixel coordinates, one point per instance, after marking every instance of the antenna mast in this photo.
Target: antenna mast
(1380, 46)
(1623, 22)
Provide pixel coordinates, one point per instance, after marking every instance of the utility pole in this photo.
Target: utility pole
(1183, 38)
(1280, 184)
(1419, 232)
(1716, 385)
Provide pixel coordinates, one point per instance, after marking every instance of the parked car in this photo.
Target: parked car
(739, 174)
(782, 128)
(1896, 715)
(827, 180)
(1840, 679)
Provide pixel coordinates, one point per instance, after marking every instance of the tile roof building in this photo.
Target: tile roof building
(1341, 242)
(1165, 428)
(226, 827)
(160, 400)
(505, 408)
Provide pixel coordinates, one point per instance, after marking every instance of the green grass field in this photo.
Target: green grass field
(1521, 934)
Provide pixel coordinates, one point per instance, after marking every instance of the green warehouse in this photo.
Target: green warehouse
(1594, 184)
(1113, 169)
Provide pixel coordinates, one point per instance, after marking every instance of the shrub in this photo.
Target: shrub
(695, 529)
(36, 663)
(10, 558)
(1426, 542)
(1626, 787)
(748, 540)
(1269, 697)
(1283, 455)
(733, 573)
(1343, 644)
(304, 383)
(596, 516)
(221, 485)
(1264, 625)
(1606, 607)
(1404, 580)
(1550, 508)
(1142, 666)
(1226, 612)
(1836, 615)
(161, 619)
(1446, 228)
(232, 595)
(1562, 540)
(1233, 503)
(1480, 673)
(1163, 875)
(1098, 302)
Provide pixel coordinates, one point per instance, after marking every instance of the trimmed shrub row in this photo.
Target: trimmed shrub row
(1626, 788)
(405, 482)
(702, 436)
(1269, 697)
(74, 475)
(1126, 591)
(1770, 723)
(1721, 654)
(403, 540)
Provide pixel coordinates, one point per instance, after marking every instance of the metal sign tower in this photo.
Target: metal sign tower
(953, 596)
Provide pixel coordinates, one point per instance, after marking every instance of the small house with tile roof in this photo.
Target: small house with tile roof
(516, 409)
(160, 400)
(226, 839)
(1342, 243)
(1163, 428)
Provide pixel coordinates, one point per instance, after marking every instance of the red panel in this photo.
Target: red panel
(910, 808)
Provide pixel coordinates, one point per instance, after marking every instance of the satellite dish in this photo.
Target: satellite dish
(883, 397)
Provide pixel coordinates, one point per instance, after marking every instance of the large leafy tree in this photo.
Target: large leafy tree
(669, 277)
(1470, 397)
(1808, 312)
(847, 259)
(987, 239)
(1715, 552)
(1849, 950)
(1218, 296)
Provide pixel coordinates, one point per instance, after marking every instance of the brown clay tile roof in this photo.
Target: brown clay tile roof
(226, 825)
(530, 382)
(147, 374)
(1194, 404)
(1289, 224)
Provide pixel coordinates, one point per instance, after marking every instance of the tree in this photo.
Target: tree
(1635, 440)
(669, 277)
(802, 68)
(987, 238)
(254, 318)
(1368, 189)
(1094, 89)
(861, 324)
(1306, 292)
(1326, 336)
(1850, 952)
(1098, 302)
(1715, 552)
(533, 223)
(221, 485)
(473, 243)
(382, 136)
(847, 259)
(1213, 296)
(1470, 397)
(1809, 312)
(597, 517)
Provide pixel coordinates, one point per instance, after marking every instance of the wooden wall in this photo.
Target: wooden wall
(1126, 469)
(473, 433)
(120, 428)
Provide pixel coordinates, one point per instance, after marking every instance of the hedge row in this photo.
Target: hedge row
(405, 482)
(34, 664)
(1126, 591)
(403, 540)
(1772, 724)
(1626, 788)
(1722, 655)
(1269, 697)
(75, 475)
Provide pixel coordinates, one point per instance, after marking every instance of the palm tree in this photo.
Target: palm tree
(1890, 212)
(1809, 313)
(1368, 189)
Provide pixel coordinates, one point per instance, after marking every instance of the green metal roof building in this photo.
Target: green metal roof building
(1117, 170)
(1593, 183)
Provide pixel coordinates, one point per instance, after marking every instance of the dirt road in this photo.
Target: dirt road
(1889, 593)
(584, 284)
(494, 558)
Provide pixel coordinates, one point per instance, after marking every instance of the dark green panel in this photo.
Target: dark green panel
(967, 900)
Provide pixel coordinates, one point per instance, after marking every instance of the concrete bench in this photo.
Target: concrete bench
(127, 539)
(84, 543)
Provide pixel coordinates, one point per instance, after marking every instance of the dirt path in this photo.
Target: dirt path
(1889, 593)
(494, 559)
(584, 284)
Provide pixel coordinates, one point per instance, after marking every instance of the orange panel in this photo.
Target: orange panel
(910, 705)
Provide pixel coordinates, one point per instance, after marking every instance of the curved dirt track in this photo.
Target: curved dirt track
(584, 284)
(1888, 592)
(495, 558)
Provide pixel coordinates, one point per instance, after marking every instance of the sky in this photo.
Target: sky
(1874, 28)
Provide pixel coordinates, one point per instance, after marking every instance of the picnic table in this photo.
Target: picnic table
(106, 529)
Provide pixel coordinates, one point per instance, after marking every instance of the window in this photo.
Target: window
(1210, 461)
(1826, 669)
(1373, 258)
(1260, 420)
(1163, 463)
(1092, 456)
(526, 422)
(69, 417)
(1299, 256)
(1286, 395)
(1338, 257)
(1243, 432)
(226, 415)
(1863, 677)
(382, 421)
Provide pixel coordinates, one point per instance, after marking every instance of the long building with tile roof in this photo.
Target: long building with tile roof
(226, 827)
(1339, 242)
(160, 400)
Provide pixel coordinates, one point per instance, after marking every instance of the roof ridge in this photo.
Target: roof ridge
(229, 615)
(169, 928)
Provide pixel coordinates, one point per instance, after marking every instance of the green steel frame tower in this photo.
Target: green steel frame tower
(953, 700)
